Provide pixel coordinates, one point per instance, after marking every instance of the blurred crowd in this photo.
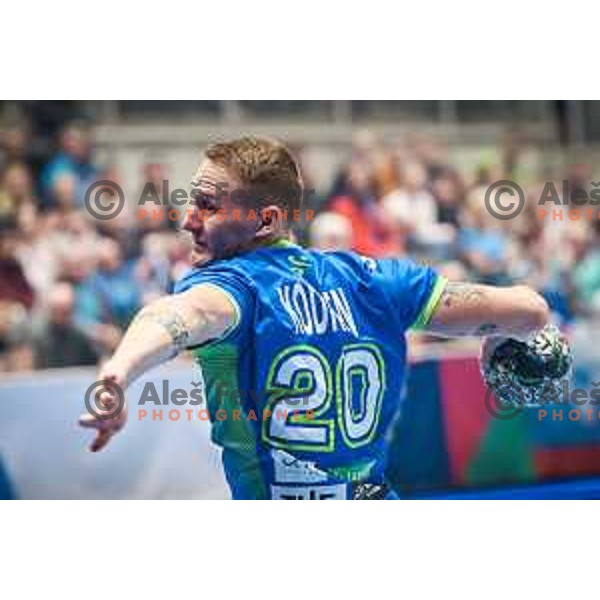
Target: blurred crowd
(411, 199)
(70, 284)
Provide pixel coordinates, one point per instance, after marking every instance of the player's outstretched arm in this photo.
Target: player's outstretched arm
(158, 333)
(481, 310)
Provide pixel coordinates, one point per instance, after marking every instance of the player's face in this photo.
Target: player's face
(217, 235)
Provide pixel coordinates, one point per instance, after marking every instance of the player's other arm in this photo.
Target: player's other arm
(158, 333)
(480, 310)
(169, 325)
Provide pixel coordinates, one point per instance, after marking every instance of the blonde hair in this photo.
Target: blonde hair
(266, 168)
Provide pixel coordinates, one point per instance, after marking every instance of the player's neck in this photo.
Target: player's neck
(280, 241)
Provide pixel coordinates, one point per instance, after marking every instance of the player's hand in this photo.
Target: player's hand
(527, 372)
(107, 409)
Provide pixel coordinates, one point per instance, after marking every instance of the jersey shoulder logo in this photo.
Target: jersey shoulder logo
(370, 264)
(299, 264)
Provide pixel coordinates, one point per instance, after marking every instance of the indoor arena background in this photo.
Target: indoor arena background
(404, 178)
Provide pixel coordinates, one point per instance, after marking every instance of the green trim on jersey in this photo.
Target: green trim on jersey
(283, 243)
(429, 309)
(219, 364)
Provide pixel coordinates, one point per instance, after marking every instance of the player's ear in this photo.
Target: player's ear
(270, 221)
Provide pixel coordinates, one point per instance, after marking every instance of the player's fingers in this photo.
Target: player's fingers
(89, 421)
(92, 422)
(102, 438)
(106, 401)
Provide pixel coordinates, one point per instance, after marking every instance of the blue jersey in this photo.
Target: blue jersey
(302, 390)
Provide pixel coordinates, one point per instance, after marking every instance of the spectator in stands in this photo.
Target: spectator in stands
(16, 189)
(17, 299)
(59, 343)
(52, 241)
(586, 275)
(16, 146)
(386, 171)
(64, 192)
(16, 353)
(372, 235)
(448, 192)
(79, 270)
(413, 208)
(14, 287)
(73, 159)
(179, 257)
(153, 270)
(431, 153)
(331, 231)
(484, 245)
(111, 295)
